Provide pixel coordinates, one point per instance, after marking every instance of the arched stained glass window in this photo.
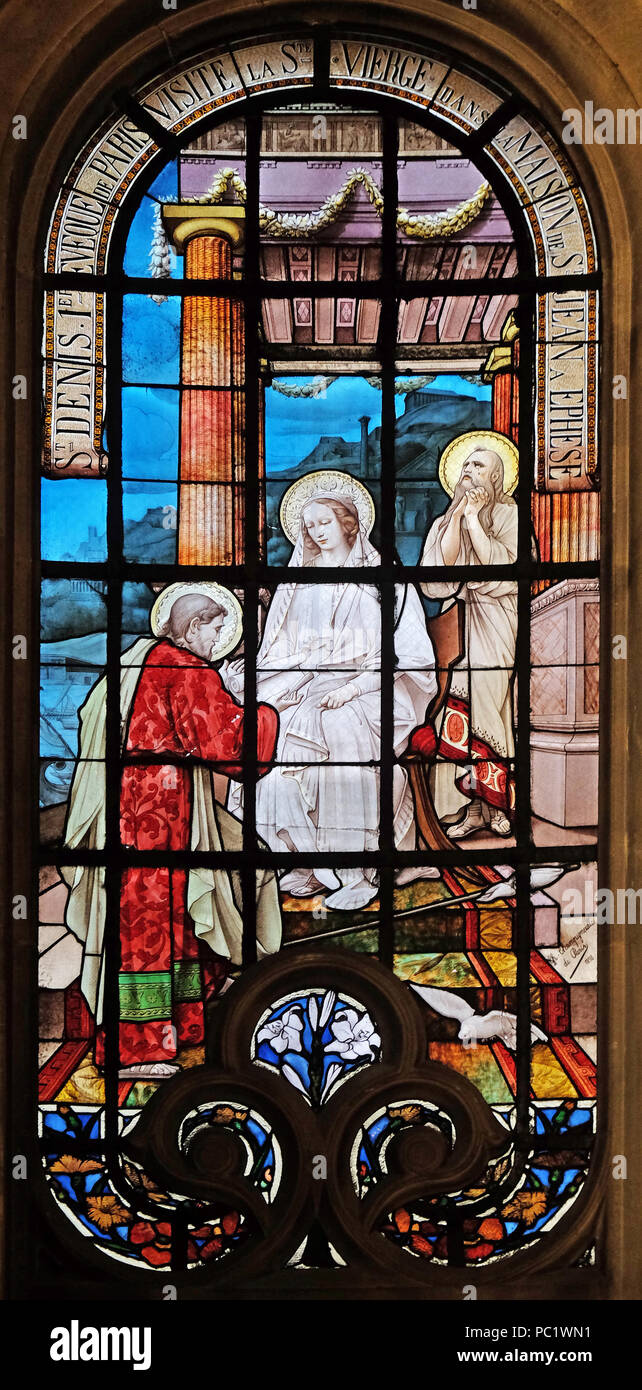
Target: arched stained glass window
(318, 851)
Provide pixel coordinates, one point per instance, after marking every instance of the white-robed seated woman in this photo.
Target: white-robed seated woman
(319, 665)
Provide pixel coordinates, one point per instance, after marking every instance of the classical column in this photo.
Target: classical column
(501, 370)
(211, 508)
(364, 421)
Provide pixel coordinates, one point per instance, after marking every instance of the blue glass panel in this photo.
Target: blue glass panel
(149, 522)
(150, 432)
(74, 519)
(304, 433)
(73, 650)
(138, 600)
(72, 608)
(151, 340)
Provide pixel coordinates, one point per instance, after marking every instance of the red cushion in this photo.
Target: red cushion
(424, 741)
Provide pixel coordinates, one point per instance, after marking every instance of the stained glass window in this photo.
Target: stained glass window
(318, 852)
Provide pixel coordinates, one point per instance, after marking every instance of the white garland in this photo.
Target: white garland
(319, 385)
(160, 255)
(294, 225)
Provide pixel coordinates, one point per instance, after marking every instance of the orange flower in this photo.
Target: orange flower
(140, 1179)
(224, 1114)
(410, 1113)
(421, 1247)
(526, 1207)
(68, 1163)
(106, 1212)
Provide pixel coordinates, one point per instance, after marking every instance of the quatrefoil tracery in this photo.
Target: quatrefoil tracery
(342, 1128)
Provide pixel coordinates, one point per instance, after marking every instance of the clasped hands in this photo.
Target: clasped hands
(472, 501)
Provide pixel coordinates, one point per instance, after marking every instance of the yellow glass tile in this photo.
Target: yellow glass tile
(441, 969)
(421, 891)
(536, 1003)
(548, 1078)
(504, 965)
(85, 1085)
(496, 931)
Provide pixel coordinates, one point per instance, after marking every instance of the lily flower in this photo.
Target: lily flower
(283, 1033)
(355, 1036)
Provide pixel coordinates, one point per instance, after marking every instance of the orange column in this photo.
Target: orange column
(211, 509)
(501, 370)
(502, 399)
(211, 460)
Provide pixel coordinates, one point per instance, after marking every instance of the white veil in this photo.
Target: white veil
(362, 555)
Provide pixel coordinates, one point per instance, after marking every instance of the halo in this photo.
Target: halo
(232, 628)
(325, 483)
(455, 454)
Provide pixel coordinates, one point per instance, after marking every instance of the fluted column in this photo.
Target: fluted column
(501, 370)
(211, 511)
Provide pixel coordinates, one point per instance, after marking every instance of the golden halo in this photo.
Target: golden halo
(325, 483)
(456, 453)
(232, 628)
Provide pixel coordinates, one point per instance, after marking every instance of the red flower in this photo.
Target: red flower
(211, 1248)
(421, 1246)
(154, 1240)
(213, 1236)
(480, 1251)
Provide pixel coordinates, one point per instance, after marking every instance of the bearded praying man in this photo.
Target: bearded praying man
(476, 726)
(180, 929)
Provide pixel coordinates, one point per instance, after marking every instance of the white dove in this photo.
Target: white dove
(542, 876)
(476, 1027)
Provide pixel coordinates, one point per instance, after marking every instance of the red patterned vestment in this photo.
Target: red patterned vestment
(181, 709)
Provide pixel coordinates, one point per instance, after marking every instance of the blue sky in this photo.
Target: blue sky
(293, 428)
(69, 507)
(295, 425)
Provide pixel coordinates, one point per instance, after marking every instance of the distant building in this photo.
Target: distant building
(92, 551)
(429, 420)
